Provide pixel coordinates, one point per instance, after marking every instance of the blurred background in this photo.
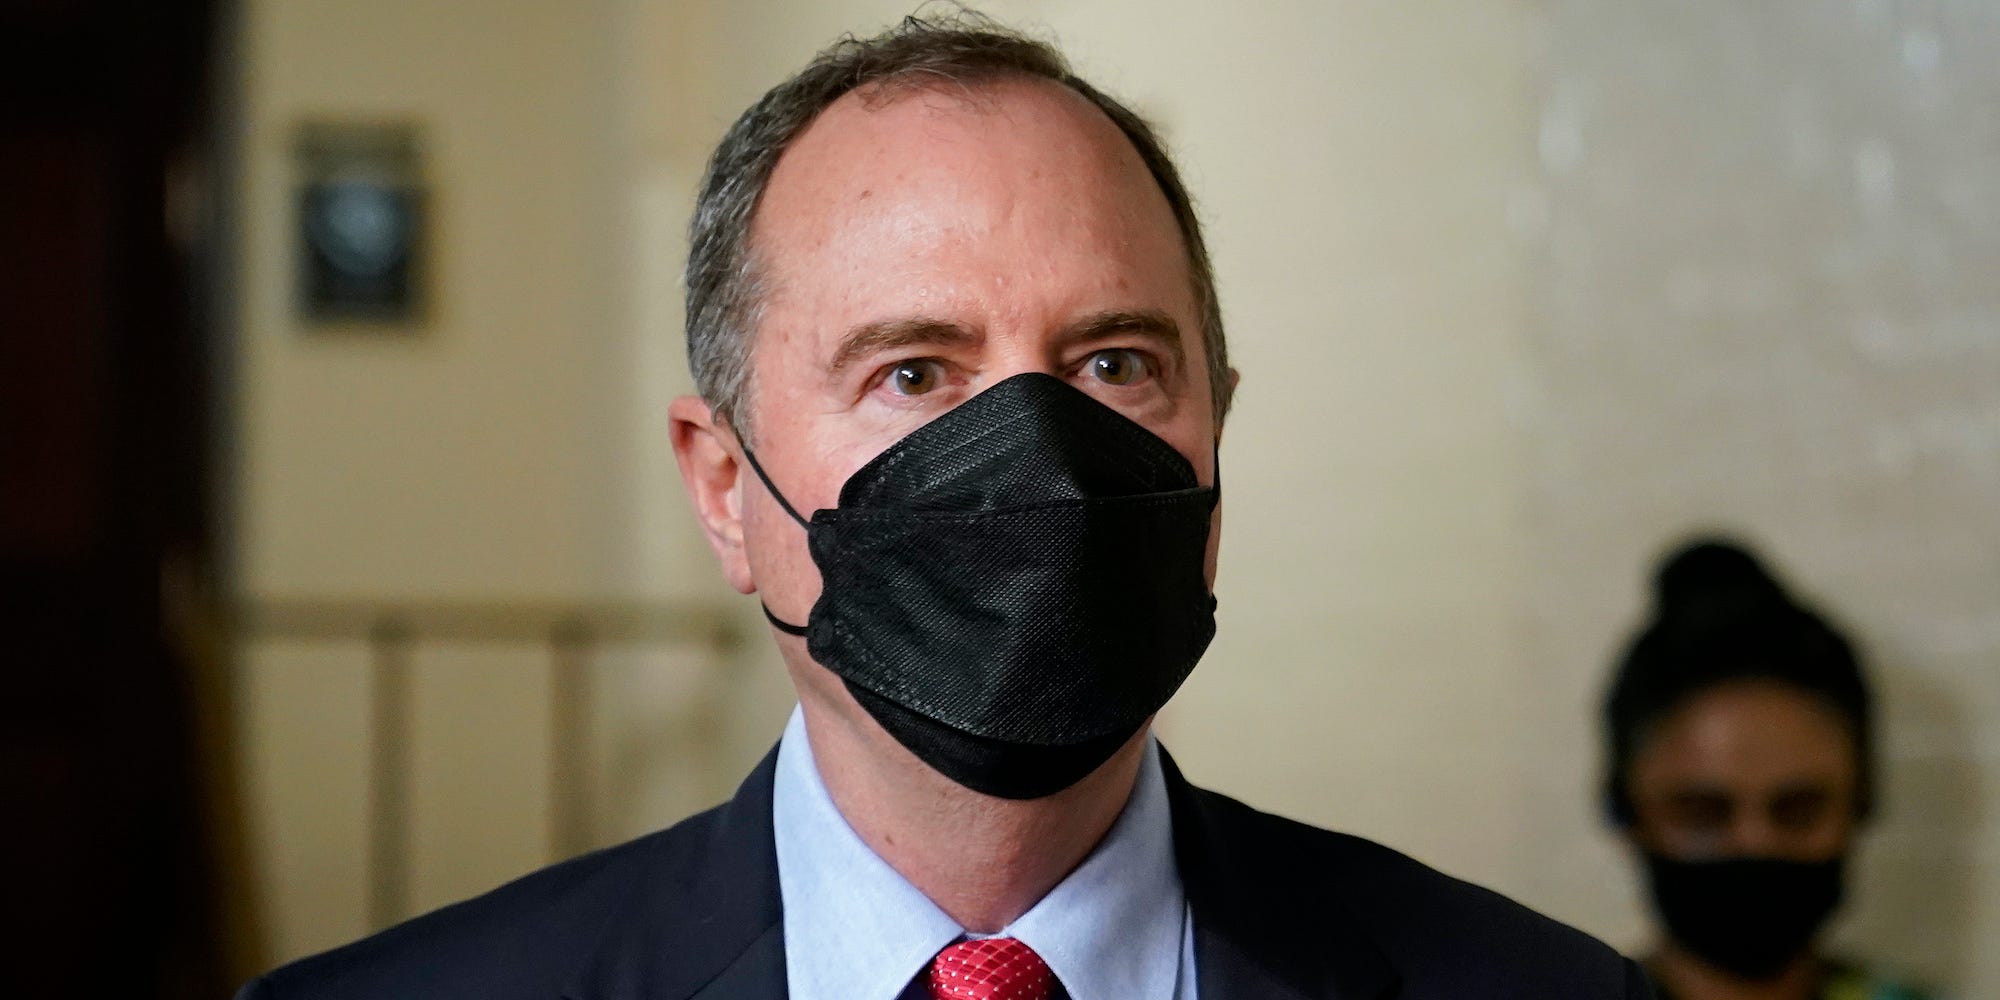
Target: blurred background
(352, 575)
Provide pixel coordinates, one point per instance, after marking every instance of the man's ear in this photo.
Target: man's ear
(705, 447)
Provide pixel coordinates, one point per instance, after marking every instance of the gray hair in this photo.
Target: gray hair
(724, 290)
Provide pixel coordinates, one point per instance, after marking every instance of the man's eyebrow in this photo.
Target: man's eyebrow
(1155, 326)
(870, 338)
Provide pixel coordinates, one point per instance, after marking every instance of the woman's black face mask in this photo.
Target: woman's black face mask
(1013, 589)
(1751, 917)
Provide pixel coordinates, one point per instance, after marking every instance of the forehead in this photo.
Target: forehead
(918, 168)
(1752, 734)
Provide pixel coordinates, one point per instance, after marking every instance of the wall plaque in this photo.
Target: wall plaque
(362, 226)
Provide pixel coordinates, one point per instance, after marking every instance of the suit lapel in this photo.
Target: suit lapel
(1224, 971)
(703, 920)
(757, 974)
(1250, 940)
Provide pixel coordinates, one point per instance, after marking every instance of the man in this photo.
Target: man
(963, 378)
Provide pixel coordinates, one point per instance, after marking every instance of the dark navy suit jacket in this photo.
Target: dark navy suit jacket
(1281, 910)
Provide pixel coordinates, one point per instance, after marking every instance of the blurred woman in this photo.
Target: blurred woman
(1740, 731)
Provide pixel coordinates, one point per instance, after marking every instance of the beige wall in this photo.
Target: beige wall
(449, 460)
(1765, 302)
(511, 448)
(1438, 509)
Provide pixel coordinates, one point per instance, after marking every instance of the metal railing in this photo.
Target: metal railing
(571, 632)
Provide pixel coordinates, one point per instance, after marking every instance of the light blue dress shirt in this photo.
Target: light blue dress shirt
(1117, 928)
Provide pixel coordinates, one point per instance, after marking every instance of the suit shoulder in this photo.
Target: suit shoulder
(522, 939)
(1444, 934)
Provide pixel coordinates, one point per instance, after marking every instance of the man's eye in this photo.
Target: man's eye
(1119, 366)
(914, 378)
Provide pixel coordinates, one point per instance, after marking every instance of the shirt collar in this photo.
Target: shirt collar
(855, 929)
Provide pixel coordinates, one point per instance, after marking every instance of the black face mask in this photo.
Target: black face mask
(1750, 917)
(1015, 587)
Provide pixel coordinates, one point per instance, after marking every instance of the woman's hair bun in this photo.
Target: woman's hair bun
(1712, 581)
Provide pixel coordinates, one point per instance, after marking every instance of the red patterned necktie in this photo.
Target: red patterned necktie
(990, 969)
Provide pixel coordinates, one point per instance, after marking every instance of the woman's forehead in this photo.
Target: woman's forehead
(1753, 732)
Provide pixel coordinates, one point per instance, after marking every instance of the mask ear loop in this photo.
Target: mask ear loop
(778, 623)
(773, 488)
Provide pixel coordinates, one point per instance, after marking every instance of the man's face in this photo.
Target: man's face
(917, 252)
(914, 252)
